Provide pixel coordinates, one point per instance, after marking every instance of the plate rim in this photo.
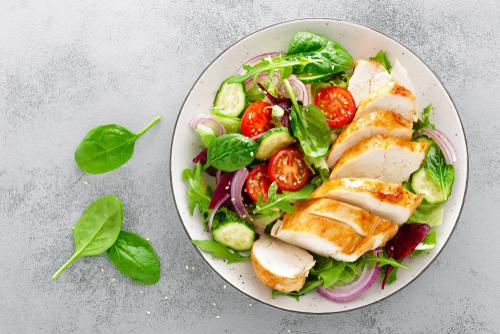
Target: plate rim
(362, 26)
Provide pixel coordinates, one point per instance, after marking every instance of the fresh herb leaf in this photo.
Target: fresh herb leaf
(382, 260)
(107, 147)
(231, 152)
(382, 59)
(392, 275)
(134, 257)
(439, 171)
(309, 286)
(332, 275)
(281, 202)
(220, 251)
(96, 230)
(424, 121)
(197, 191)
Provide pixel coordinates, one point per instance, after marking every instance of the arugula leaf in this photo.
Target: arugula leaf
(424, 121)
(332, 275)
(382, 260)
(392, 275)
(381, 57)
(309, 286)
(197, 191)
(439, 171)
(281, 202)
(220, 251)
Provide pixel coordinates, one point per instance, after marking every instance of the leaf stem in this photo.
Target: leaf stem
(66, 265)
(291, 93)
(153, 122)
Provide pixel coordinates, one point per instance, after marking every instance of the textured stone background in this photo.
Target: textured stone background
(67, 66)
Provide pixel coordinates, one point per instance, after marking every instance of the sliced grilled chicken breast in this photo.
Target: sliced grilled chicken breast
(368, 75)
(389, 159)
(386, 200)
(279, 265)
(334, 229)
(392, 97)
(376, 123)
(400, 75)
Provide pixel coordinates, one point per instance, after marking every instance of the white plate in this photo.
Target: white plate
(361, 42)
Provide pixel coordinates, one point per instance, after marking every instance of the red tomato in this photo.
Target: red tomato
(257, 119)
(337, 104)
(258, 182)
(289, 169)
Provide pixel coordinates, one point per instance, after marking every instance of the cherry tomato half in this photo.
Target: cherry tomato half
(257, 183)
(288, 169)
(257, 119)
(337, 104)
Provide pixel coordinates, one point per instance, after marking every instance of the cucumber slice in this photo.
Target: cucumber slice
(423, 184)
(230, 100)
(311, 78)
(272, 141)
(237, 235)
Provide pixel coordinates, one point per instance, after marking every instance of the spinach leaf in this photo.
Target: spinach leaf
(231, 152)
(107, 147)
(424, 121)
(382, 59)
(332, 275)
(309, 126)
(135, 257)
(439, 171)
(96, 230)
(309, 286)
(220, 251)
(281, 202)
(309, 55)
(319, 166)
(198, 195)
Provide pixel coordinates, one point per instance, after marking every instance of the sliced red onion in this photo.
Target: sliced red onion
(299, 89)
(354, 290)
(444, 144)
(255, 60)
(223, 188)
(201, 157)
(237, 184)
(208, 120)
(214, 211)
(218, 176)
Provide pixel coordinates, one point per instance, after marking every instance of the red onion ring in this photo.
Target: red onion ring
(255, 60)
(300, 90)
(354, 290)
(444, 144)
(214, 210)
(218, 174)
(208, 120)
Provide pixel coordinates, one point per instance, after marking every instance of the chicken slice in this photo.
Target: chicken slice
(376, 123)
(392, 97)
(368, 75)
(400, 75)
(334, 229)
(279, 265)
(389, 159)
(386, 200)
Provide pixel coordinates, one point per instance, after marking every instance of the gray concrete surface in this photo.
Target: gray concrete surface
(67, 66)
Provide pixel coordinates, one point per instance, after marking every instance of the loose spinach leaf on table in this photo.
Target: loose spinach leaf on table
(440, 172)
(231, 152)
(424, 121)
(135, 257)
(97, 229)
(198, 193)
(281, 202)
(220, 251)
(382, 59)
(107, 147)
